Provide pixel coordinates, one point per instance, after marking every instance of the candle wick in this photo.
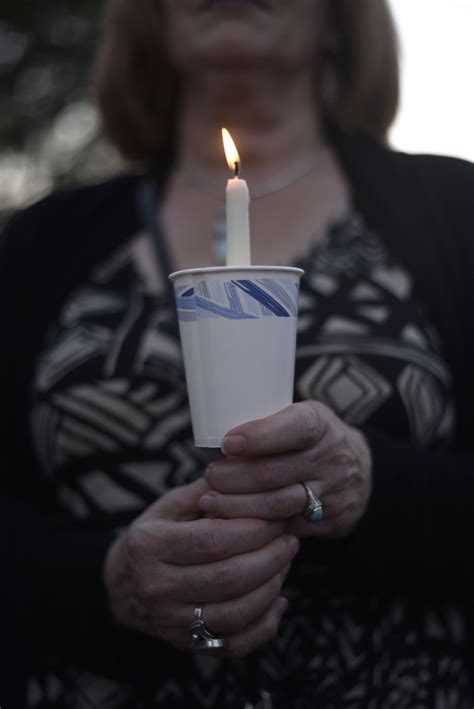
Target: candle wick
(237, 168)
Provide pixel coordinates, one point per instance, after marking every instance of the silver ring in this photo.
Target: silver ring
(201, 637)
(313, 509)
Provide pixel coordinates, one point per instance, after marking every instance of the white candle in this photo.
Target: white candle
(237, 209)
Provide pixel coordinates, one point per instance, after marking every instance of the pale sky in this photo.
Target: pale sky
(437, 107)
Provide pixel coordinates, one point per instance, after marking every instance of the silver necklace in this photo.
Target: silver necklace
(200, 181)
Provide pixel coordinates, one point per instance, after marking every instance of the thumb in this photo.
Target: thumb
(181, 503)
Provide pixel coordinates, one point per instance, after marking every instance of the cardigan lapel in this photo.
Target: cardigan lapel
(390, 192)
(404, 199)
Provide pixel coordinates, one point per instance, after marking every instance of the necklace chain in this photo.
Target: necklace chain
(200, 181)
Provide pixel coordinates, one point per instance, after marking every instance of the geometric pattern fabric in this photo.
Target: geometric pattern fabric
(111, 427)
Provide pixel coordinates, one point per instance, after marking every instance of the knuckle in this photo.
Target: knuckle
(344, 461)
(338, 436)
(137, 542)
(144, 538)
(344, 466)
(322, 409)
(212, 475)
(348, 473)
(309, 422)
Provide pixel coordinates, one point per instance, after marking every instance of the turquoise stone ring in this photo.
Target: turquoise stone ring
(313, 510)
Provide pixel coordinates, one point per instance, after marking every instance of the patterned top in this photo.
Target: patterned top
(111, 427)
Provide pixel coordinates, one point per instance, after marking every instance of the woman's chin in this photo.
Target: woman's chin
(233, 57)
(233, 46)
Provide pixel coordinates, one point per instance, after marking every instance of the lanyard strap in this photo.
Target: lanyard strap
(148, 200)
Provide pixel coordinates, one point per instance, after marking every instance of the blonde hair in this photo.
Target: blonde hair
(137, 88)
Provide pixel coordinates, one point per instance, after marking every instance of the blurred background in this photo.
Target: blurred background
(49, 128)
(50, 132)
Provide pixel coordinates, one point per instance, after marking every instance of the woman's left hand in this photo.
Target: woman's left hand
(269, 458)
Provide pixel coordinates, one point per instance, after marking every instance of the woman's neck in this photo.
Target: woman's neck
(273, 123)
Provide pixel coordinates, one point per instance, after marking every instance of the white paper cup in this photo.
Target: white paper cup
(238, 336)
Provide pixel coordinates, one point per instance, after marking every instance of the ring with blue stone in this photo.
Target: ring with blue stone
(313, 510)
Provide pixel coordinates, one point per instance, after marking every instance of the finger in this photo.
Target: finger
(180, 503)
(257, 634)
(236, 475)
(241, 475)
(229, 579)
(340, 516)
(296, 427)
(286, 503)
(237, 644)
(280, 504)
(334, 528)
(234, 616)
(208, 540)
(227, 617)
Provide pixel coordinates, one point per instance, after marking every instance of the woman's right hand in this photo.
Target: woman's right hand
(171, 560)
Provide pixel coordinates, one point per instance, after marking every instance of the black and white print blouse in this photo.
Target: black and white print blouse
(111, 427)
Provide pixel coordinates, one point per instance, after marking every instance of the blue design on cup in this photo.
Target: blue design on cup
(185, 303)
(241, 299)
(264, 298)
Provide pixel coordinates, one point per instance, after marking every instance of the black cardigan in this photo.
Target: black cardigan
(421, 517)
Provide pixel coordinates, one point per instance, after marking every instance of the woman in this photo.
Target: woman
(144, 549)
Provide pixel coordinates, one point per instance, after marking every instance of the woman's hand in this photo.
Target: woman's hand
(268, 458)
(172, 560)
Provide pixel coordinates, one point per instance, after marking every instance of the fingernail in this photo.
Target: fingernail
(209, 470)
(233, 445)
(208, 502)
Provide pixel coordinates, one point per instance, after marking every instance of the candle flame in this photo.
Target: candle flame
(231, 152)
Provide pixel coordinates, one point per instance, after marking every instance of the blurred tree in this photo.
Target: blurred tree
(49, 128)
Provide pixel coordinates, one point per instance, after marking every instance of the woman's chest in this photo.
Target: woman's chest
(110, 417)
